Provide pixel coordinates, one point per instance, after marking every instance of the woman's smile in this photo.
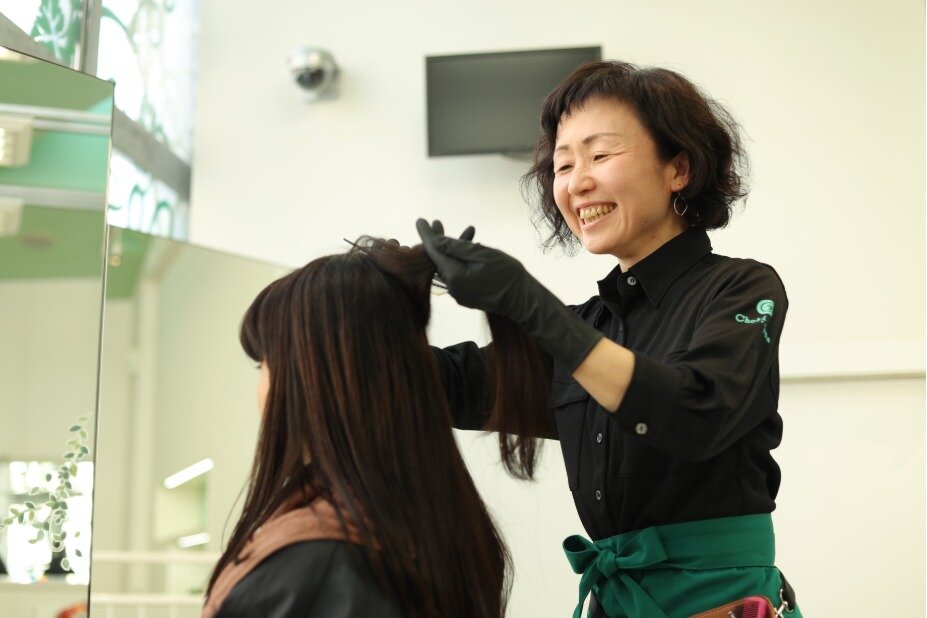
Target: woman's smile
(592, 215)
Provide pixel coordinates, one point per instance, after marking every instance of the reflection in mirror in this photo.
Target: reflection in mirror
(178, 421)
(54, 150)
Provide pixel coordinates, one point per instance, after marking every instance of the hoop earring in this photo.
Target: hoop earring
(685, 205)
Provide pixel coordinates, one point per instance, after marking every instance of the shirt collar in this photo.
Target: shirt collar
(657, 272)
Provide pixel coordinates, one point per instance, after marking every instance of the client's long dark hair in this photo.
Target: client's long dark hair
(355, 387)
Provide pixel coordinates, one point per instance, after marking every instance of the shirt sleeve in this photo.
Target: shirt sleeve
(312, 579)
(463, 370)
(701, 399)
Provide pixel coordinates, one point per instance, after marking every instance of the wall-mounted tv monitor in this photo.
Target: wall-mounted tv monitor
(490, 103)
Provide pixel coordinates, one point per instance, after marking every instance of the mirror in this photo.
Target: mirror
(55, 129)
(178, 421)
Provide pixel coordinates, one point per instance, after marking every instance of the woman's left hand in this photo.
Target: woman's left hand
(478, 277)
(490, 280)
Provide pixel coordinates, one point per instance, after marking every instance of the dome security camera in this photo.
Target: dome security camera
(315, 72)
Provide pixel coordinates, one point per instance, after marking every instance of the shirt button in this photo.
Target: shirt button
(598, 495)
(598, 438)
(632, 280)
(641, 428)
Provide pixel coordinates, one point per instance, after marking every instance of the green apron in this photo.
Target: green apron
(678, 570)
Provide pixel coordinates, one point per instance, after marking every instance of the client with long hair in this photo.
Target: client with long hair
(359, 503)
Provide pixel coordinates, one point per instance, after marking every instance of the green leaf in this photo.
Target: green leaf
(78, 553)
(74, 469)
(68, 455)
(53, 30)
(75, 428)
(77, 534)
(33, 541)
(40, 536)
(83, 419)
(83, 434)
(21, 517)
(65, 564)
(48, 477)
(34, 491)
(46, 525)
(7, 521)
(29, 505)
(84, 450)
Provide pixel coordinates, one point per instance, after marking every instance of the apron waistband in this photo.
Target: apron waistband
(744, 541)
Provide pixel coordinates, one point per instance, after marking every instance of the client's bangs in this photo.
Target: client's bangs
(251, 333)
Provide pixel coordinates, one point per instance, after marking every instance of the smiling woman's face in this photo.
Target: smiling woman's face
(611, 186)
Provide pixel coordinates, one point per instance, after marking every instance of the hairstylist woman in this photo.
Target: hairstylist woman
(664, 387)
(359, 503)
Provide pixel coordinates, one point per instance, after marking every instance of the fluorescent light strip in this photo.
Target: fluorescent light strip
(193, 540)
(190, 472)
(61, 198)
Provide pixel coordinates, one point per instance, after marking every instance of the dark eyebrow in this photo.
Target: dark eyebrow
(589, 138)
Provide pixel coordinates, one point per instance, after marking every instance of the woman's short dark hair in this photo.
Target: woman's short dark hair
(679, 118)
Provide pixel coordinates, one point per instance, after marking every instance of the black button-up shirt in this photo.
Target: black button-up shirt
(692, 437)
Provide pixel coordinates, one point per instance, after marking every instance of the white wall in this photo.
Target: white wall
(112, 481)
(206, 404)
(850, 516)
(831, 95)
(48, 364)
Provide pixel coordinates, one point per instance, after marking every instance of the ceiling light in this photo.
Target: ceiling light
(193, 540)
(15, 140)
(190, 472)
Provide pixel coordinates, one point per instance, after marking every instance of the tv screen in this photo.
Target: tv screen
(490, 103)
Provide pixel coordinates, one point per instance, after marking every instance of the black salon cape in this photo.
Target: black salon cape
(692, 437)
(312, 579)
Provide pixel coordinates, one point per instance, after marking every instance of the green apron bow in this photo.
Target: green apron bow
(604, 559)
(745, 541)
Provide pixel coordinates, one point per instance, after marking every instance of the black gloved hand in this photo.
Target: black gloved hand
(490, 280)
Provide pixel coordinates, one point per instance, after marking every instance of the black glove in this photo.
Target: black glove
(490, 280)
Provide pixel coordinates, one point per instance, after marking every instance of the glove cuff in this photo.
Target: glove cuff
(571, 342)
(557, 329)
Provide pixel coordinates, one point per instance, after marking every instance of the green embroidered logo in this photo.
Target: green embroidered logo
(765, 309)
